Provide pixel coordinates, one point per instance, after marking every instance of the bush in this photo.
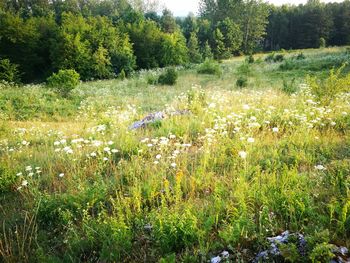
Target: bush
(152, 80)
(169, 77)
(270, 57)
(288, 65)
(274, 58)
(64, 81)
(289, 87)
(244, 69)
(175, 231)
(7, 179)
(250, 59)
(301, 56)
(326, 90)
(322, 42)
(289, 252)
(322, 253)
(122, 75)
(242, 82)
(278, 58)
(347, 51)
(9, 72)
(105, 239)
(209, 67)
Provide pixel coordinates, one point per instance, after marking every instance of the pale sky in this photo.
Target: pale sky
(183, 7)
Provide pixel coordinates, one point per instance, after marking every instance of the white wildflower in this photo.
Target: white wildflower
(320, 167)
(250, 140)
(246, 107)
(242, 154)
(24, 183)
(107, 149)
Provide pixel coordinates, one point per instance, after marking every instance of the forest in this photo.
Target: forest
(111, 38)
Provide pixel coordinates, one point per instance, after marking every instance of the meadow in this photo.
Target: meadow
(260, 151)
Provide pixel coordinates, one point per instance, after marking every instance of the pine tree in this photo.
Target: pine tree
(193, 49)
(206, 51)
(232, 34)
(168, 22)
(220, 51)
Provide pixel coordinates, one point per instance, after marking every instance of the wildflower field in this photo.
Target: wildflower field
(243, 164)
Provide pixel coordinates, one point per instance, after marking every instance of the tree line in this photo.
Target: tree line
(305, 26)
(105, 38)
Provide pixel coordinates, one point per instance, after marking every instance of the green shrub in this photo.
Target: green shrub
(250, 59)
(107, 239)
(289, 87)
(347, 51)
(169, 77)
(152, 79)
(326, 90)
(278, 58)
(300, 56)
(274, 58)
(7, 179)
(259, 60)
(168, 259)
(64, 81)
(210, 67)
(289, 252)
(270, 57)
(322, 253)
(316, 63)
(288, 65)
(122, 75)
(242, 81)
(322, 43)
(174, 231)
(36, 102)
(9, 72)
(238, 230)
(244, 69)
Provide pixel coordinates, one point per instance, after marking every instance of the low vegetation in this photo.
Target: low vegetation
(243, 164)
(64, 81)
(169, 77)
(210, 67)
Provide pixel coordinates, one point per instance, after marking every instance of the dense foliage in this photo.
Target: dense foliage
(169, 77)
(64, 81)
(308, 26)
(109, 38)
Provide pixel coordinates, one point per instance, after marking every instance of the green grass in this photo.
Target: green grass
(78, 186)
